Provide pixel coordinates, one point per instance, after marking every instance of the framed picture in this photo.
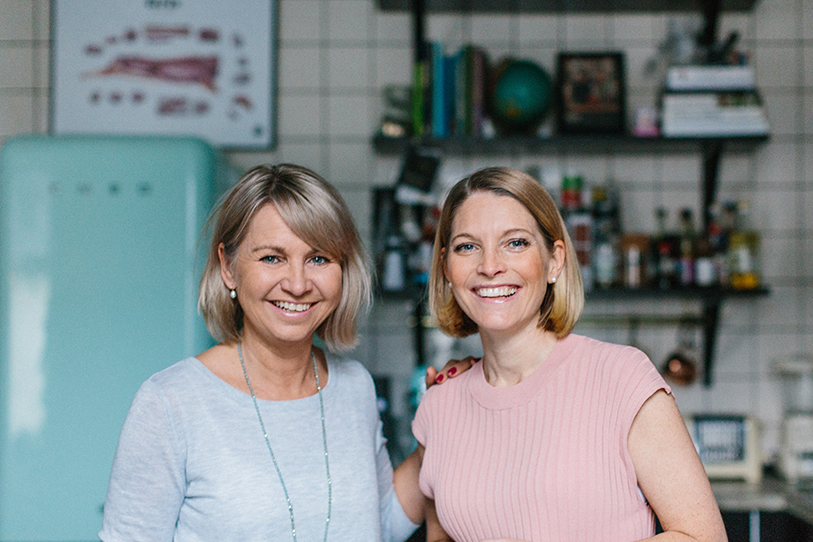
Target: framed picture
(591, 93)
(165, 67)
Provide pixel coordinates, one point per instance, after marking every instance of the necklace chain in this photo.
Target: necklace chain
(273, 457)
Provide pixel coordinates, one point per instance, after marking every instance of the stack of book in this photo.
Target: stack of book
(712, 101)
(449, 92)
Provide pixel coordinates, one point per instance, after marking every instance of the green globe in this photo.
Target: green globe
(521, 97)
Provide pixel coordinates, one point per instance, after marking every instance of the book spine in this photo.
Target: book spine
(469, 92)
(460, 94)
(450, 91)
(438, 91)
(417, 98)
(478, 92)
(428, 76)
(421, 92)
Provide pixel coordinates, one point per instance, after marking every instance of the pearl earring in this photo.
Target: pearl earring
(233, 293)
(553, 280)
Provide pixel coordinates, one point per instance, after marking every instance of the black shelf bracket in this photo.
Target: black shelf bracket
(707, 319)
(712, 151)
(711, 16)
(711, 320)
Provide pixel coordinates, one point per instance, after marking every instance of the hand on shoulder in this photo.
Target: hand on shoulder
(453, 368)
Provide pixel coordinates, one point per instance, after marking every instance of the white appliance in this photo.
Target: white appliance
(728, 446)
(796, 451)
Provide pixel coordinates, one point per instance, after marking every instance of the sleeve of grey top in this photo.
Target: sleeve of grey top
(395, 525)
(147, 480)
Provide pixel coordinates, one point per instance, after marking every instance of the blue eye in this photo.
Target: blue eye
(518, 243)
(320, 260)
(464, 247)
(270, 259)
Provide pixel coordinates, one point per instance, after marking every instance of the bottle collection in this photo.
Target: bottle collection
(678, 254)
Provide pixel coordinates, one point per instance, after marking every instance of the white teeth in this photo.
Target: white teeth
(293, 307)
(503, 291)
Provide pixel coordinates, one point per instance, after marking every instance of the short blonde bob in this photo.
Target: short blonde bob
(317, 214)
(563, 302)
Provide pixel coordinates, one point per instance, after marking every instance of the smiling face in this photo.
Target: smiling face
(498, 264)
(285, 287)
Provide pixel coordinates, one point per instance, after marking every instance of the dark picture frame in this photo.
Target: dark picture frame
(591, 93)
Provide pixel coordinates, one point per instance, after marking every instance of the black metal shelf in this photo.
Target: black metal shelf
(709, 148)
(710, 298)
(706, 294)
(568, 144)
(564, 6)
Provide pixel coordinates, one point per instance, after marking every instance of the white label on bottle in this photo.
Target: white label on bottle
(744, 260)
(704, 271)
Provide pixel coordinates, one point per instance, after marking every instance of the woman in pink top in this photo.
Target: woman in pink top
(552, 436)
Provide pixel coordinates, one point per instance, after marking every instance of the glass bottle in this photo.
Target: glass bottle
(665, 247)
(606, 233)
(687, 247)
(743, 248)
(705, 267)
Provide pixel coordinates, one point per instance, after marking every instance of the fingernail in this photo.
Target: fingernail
(453, 371)
(439, 378)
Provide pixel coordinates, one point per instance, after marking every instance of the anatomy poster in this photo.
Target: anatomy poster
(170, 67)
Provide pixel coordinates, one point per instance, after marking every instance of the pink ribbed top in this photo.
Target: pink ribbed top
(546, 459)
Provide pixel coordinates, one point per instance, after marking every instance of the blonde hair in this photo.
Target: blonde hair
(564, 300)
(318, 215)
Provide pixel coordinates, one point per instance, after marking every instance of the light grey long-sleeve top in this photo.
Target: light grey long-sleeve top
(192, 463)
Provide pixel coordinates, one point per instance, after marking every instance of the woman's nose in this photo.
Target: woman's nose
(296, 282)
(491, 263)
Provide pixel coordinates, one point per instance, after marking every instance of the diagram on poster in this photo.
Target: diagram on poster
(170, 67)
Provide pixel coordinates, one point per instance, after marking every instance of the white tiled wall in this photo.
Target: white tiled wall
(336, 55)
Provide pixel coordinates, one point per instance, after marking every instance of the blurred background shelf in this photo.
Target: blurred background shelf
(575, 144)
(707, 295)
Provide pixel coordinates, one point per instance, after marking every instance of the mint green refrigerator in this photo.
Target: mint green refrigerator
(99, 261)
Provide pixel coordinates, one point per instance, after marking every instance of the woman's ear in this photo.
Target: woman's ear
(557, 260)
(225, 267)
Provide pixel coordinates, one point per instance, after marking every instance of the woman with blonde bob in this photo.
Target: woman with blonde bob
(551, 436)
(266, 436)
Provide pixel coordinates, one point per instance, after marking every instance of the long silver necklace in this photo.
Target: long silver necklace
(273, 457)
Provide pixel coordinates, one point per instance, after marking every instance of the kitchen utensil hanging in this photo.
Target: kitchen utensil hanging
(680, 366)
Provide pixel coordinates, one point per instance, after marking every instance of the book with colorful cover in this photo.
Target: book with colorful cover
(439, 114)
(418, 76)
(450, 89)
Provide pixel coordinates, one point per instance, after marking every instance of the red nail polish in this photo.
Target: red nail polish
(439, 378)
(453, 371)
